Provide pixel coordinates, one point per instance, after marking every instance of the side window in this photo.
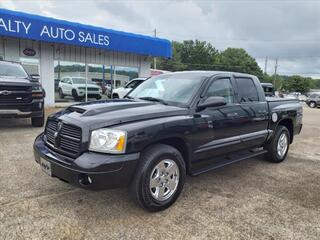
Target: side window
(247, 90)
(221, 88)
(132, 84)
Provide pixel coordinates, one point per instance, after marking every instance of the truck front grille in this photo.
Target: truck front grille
(63, 138)
(93, 89)
(15, 94)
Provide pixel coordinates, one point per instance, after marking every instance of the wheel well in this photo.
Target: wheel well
(177, 143)
(289, 125)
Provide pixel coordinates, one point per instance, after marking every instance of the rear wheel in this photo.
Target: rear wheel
(159, 178)
(312, 104)
(98, 97)
(115, 96)
(279, 145)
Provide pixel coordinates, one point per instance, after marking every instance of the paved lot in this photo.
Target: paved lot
(248, 200)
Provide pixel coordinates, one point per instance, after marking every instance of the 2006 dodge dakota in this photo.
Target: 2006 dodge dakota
(169, 126)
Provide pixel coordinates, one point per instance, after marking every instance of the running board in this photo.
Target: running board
(233, 158)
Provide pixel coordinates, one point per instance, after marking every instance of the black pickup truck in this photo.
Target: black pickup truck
(21, 96)
(169, 126)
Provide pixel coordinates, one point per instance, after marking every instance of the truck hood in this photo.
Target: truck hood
(15, 81)
(112, 112)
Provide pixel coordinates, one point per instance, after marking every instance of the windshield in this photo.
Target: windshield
(12, 70)
(80, 81)
(176, 88)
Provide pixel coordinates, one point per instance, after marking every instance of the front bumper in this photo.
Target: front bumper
(22, 110)
(82, 93)
(104, 170)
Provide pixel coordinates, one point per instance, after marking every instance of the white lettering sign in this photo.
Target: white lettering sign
(53, 32)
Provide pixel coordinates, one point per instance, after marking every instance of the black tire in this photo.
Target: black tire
(61, 95)
(312, 104)
(38, 121)
(139, 188)
(115, 96)
(98, 97)
(272, 155)
(75, 95)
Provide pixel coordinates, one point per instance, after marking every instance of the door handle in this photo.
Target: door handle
(232, 114)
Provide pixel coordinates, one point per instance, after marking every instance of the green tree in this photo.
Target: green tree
(174, 63)
(297, 83)
(238, 60)
(198, 55)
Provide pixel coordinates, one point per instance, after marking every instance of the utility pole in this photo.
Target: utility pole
(266, 65)
(155, 59)
(275, 73)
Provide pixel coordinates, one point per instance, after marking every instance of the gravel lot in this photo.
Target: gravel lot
(252, 199)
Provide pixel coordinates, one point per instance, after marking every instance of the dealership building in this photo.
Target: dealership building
(56, 48)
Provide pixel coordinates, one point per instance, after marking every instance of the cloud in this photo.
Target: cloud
(287, 30)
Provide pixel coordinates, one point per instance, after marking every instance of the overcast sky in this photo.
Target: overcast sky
(287, 30)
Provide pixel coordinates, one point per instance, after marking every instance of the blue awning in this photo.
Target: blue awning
(29, 26)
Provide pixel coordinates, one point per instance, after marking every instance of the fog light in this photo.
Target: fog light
(84, 180)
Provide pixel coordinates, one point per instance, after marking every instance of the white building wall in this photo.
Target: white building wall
(46, 53)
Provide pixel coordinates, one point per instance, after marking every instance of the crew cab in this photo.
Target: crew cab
(122, 91)
(169, 126)
(21, 95)
(76, 87)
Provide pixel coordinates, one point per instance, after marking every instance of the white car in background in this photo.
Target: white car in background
(296, 95)
(122, 91)
(76, 87)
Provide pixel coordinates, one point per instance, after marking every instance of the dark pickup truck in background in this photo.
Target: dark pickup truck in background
(169, 126)
(21, 96)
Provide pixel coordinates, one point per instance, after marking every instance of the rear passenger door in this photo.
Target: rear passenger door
(254, 112)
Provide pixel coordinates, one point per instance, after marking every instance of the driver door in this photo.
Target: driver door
(217, 128)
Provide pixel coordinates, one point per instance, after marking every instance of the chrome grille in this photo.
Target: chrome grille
(66, 140)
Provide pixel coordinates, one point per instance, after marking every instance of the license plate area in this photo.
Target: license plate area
(45, 166)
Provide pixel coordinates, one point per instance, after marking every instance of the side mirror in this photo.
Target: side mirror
(212, 102)
(35, 77)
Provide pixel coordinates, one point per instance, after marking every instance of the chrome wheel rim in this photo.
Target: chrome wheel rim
(282, 145)
(312, 104)
(164, 180)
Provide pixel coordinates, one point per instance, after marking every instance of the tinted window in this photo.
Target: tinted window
(221, 88)
(247, 90)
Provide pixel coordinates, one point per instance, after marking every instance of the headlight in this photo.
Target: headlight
(108, 141)
(36, 88)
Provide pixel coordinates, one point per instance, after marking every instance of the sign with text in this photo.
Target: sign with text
(28, 26)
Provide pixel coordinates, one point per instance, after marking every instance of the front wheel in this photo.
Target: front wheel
(61, 95)
(278, 146)
(159, 178)
(38, 121)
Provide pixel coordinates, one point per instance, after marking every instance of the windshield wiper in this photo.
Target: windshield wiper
(129, 97)
(152, 99)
